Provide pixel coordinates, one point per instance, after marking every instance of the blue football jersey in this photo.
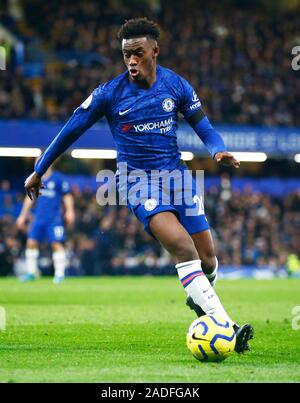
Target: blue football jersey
(49, 204)
(143, 121)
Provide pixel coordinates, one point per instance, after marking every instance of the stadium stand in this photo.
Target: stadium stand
(236, 59)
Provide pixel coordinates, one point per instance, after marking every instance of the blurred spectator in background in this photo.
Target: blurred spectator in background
(237, 58)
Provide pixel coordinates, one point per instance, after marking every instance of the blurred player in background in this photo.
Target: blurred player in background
(48, 224)
(142, 106)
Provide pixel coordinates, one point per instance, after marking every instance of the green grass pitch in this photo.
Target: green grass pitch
(132, 329)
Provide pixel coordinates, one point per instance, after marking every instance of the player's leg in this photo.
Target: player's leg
(59, 262)
(56, 237)
(205, 247)
(197, 226)
(176, 240)
(31, 260)
(35, 236)
(192, 217)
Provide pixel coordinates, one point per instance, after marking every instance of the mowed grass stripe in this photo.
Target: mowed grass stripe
(132, 329)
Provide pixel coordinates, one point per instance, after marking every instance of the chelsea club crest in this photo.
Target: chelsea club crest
(168, 104)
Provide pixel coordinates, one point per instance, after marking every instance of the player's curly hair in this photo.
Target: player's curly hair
(137, 27)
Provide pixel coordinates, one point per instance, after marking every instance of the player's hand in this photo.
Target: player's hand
(227, 159)
(32, 185)
(70, 218)
(21, 222)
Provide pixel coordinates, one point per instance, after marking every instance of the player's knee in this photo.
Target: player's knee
(32, 244)
(185, 251)
(57, 246)
(208, 263)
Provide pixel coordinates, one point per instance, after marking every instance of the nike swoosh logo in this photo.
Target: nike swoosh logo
(197, 338)
(206, 290)
(121, 113)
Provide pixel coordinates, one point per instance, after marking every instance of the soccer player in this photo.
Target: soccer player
(48, 224)
(141, 106)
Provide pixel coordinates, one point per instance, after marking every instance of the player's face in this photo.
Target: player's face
(140, 57)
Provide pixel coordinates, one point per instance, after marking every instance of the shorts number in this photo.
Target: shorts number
(59, 231)
(199, 201)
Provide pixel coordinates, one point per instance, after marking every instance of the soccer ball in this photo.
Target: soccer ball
(210, 338)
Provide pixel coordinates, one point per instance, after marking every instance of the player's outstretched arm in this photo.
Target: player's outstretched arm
(23, 216)
(212, 139)
(79, 122)
(83, 118)
(69, 210)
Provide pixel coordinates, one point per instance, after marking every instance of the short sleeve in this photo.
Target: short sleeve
(189, 100)
(65, 187)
